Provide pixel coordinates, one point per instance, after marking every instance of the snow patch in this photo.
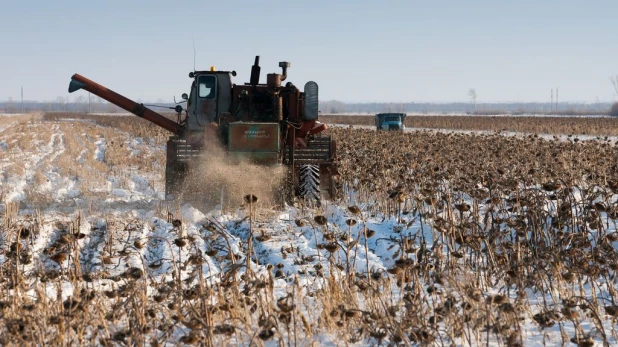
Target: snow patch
(99, 153)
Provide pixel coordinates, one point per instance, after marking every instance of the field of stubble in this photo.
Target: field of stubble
(437, 238)
(554, 125)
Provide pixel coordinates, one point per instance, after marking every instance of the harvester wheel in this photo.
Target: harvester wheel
(310, 183)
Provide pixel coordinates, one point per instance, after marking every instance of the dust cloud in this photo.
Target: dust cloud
(214, 179)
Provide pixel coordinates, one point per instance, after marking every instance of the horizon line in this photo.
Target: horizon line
(18, 101)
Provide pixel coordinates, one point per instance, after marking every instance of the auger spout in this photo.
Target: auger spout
(80, 82)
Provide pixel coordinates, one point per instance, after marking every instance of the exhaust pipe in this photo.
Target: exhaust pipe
(284, 65)
(255, 72)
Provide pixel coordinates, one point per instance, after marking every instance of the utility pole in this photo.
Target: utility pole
(22, 99)
(556, 98)
(551, 104)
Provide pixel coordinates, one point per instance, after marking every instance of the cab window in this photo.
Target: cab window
(207, 86)
(392, 119)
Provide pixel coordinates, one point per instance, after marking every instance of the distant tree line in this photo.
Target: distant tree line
(338, 107)
(83, 104)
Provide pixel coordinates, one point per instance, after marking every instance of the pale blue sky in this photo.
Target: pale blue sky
(357, 51)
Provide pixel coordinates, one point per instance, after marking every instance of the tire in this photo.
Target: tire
(310, 183)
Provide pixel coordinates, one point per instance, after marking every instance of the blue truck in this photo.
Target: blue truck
(390, 121)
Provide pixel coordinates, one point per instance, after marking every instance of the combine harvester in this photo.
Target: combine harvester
(266, 124)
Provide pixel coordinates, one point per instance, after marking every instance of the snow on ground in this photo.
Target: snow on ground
(146, 239)
(99, 153)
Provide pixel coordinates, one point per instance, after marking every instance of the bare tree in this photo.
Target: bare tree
(10, 107)
(96, 103)
(472, 95)
(81, 103)
(62, 103)
(614, 81)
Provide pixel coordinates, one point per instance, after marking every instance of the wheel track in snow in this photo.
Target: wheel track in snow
(90, 254)
(42, 177)
(156, 251)
(57, 144)
(46, 152)
(6, 126)
(32, 162)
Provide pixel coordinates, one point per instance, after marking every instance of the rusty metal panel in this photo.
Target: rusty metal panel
(254, 137)
(260, 158)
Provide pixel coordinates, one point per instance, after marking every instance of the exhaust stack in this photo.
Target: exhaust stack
(255, 72)
(284, 65)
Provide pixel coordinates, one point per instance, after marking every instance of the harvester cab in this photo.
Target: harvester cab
(390, 121)
(261, 123)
